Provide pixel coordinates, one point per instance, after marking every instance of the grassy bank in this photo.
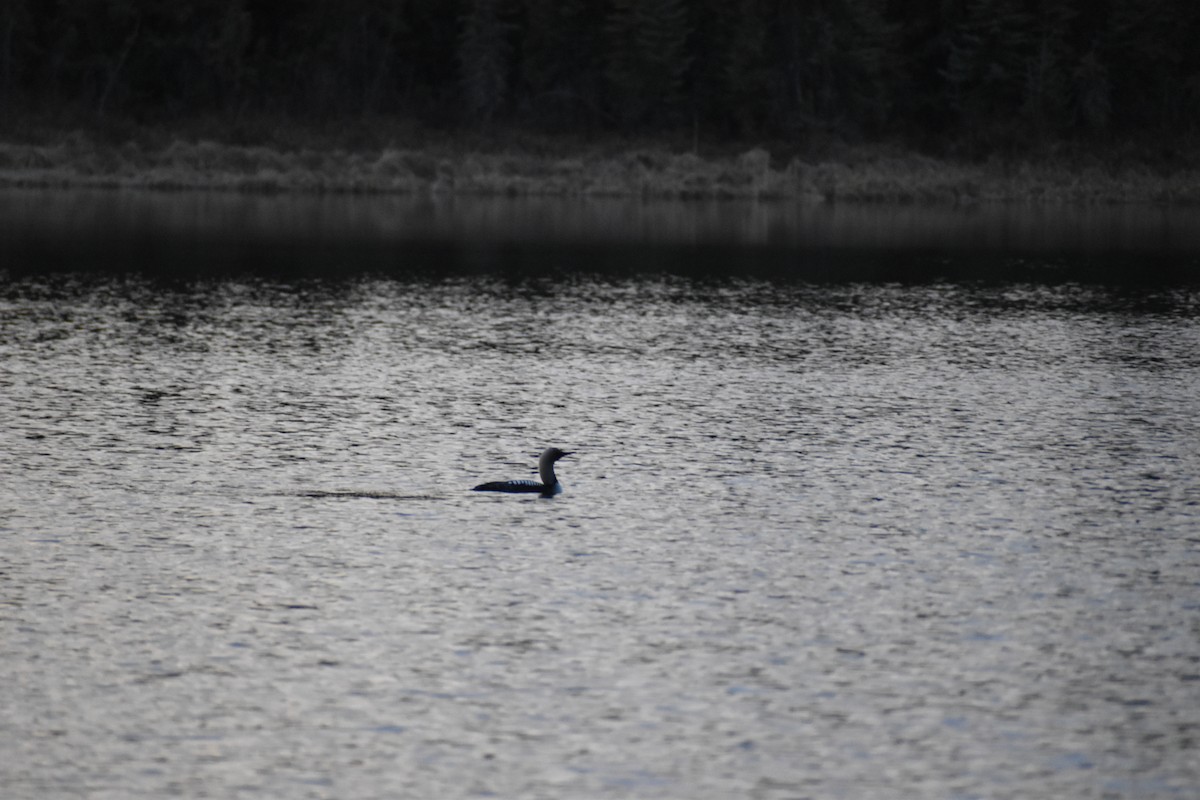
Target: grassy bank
(855, 174)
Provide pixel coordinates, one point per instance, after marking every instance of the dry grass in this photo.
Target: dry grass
(864, 175)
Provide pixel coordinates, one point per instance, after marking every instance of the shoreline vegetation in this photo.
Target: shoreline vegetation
(969, 102)
(848, 173)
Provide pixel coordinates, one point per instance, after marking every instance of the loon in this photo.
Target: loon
(547, 488)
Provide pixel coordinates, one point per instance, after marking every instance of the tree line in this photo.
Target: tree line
(991, 72)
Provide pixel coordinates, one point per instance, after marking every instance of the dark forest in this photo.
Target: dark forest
(967, 77)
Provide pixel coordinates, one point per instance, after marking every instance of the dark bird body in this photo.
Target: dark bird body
(548, 487)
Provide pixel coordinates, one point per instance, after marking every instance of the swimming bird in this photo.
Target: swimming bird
(548, 487)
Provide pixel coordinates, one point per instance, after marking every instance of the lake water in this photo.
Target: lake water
(865, 503)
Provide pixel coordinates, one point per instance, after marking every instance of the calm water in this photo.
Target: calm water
(820, 538)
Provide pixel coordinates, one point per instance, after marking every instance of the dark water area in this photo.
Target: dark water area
(213, 234)
(832, 527)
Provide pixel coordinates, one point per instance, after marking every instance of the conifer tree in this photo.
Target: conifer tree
(560, 59)
(15, 33)
(1046, 103)
(837, 64)
(1154, 63)
(1092, 94)
(743, 81)
(986, 73)
(647, 60)
(484, 55)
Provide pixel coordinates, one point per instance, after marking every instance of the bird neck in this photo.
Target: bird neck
(546, 469)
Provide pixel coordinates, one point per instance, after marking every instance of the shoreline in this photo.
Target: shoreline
(864, 174)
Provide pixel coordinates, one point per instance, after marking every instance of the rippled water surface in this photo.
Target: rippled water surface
(849, 540)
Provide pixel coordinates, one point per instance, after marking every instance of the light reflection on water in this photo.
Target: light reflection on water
(217, 234)
(217, 215)
(857, 540)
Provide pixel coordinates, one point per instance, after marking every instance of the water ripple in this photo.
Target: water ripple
(849, 540)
